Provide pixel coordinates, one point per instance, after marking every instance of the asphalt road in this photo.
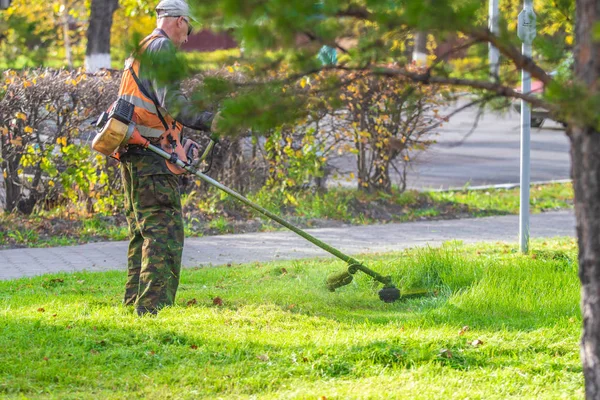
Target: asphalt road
(488, 156)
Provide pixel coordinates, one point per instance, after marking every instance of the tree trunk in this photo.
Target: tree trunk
(420, 49)
(10, 166)
(380, 181)
(97, 54)
(66, 37)
(585, 170)
(585, 151)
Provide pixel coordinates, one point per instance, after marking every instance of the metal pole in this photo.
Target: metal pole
(526, 31)
(525, 157)
(494, 55)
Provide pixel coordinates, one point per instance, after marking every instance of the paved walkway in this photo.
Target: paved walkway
(219, 250)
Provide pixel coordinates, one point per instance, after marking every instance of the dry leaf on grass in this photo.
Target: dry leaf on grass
(445, 353)
(191, 302)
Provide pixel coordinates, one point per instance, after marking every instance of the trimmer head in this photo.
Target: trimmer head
(389, 294)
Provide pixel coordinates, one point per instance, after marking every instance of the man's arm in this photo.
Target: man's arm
(163, 67)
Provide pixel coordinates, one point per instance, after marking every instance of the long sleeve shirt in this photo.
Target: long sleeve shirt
(161, 75)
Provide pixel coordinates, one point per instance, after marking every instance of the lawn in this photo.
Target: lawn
(496, 325)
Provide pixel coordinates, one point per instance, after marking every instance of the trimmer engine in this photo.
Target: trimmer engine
(115, 128)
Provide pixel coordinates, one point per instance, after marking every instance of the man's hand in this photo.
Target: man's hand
(214, 127)
(192, 150)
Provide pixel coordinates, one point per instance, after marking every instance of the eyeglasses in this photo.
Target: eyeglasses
(190, 29)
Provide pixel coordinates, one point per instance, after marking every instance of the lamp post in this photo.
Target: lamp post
(494, 54)
(526, 32)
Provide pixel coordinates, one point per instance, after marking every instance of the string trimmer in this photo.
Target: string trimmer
(118, 130)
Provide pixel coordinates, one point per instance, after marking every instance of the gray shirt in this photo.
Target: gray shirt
(161, 75)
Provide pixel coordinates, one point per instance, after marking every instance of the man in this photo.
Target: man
(152, 198)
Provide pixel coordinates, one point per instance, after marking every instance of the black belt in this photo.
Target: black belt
(135, 149)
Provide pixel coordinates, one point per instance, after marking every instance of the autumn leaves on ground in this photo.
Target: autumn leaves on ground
(497, 324)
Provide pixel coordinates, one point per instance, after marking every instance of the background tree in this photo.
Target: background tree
(36, 33)
(97, 54)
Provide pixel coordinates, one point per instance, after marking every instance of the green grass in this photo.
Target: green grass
(211, 60)
(279, 334)
(542, 198)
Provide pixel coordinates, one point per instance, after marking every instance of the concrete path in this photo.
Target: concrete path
(219, 250)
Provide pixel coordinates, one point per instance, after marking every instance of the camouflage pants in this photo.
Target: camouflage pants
(153, 211)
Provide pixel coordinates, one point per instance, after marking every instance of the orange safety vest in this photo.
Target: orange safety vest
(151, 120)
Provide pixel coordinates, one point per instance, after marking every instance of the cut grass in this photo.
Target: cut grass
(275, 332)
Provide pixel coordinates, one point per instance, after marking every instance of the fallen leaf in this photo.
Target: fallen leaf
(229, 264)
(54, 315)
(193, 347)
(445, 353)
(191, 302)
(322, 398)
(463, 330)
(263, 357)
(291, 306)
(217, 301)
(69, 327)
(57, 280)
(304, 359)
(151, 352)
(94, 351)
(283, 271)
(476, 343)
(41, 309)
(45, 358)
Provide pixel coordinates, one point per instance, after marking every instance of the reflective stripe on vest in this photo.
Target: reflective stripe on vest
(142, 103)
(145, 113)
(150, 133)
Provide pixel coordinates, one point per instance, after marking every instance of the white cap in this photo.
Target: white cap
(173, 8)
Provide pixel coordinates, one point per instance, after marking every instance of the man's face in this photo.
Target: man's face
(183, 30)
